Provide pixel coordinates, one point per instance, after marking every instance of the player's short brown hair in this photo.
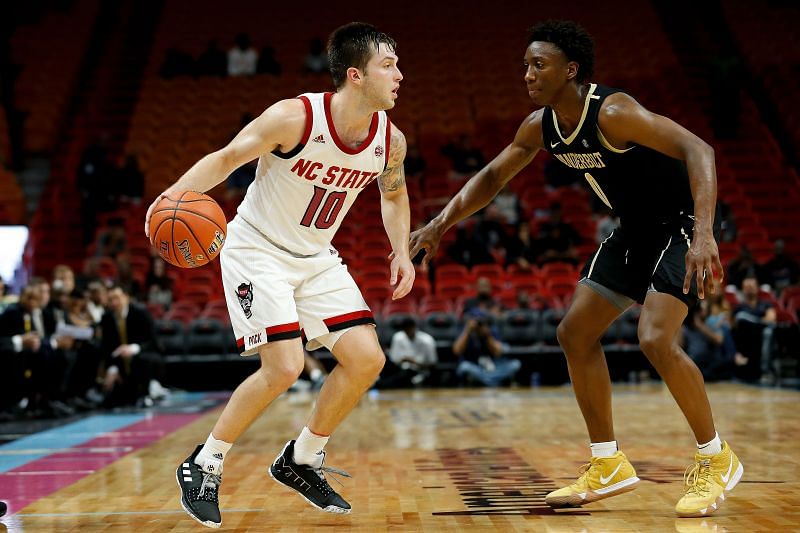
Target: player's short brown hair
(352, 45)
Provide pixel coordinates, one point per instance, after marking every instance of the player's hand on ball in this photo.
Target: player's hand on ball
(150, 214)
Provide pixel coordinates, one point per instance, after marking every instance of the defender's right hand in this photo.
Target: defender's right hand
(427, 239)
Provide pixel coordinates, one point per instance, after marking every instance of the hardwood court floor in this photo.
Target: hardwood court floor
(420, 461)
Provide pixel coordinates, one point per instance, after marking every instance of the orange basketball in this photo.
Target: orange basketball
(188, 229)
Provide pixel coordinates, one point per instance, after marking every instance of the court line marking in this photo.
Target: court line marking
(28, 449)
(125, 513)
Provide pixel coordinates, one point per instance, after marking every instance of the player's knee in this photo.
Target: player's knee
(368, 365)
(569, 336)
(283, 373)
(373, 364)
(654, 342)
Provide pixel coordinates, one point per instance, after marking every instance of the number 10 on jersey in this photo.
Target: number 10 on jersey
(331, 206)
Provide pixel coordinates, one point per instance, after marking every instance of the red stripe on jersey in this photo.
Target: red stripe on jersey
(309, 119)
(388, 142)
(373, 129)
(283, 328)
(332, 321)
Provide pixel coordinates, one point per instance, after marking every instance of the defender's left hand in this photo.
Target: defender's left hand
(702, 262)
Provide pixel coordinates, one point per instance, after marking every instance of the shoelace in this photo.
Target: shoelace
(697, 477)
(211, 482)
(583, 471)
(330, 470)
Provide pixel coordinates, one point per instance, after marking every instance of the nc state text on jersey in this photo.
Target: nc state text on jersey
(346, 178)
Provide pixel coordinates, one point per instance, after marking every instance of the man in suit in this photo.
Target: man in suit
(130, 349)
(33, 357)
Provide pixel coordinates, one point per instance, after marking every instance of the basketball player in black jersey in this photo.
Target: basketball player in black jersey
(661, 181)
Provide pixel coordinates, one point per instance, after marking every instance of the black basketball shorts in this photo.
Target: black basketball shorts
(633, 263)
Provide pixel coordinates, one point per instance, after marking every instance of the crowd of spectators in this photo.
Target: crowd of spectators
(70, 345)
(241, 59)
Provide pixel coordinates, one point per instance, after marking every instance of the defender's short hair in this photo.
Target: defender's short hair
(572, 39)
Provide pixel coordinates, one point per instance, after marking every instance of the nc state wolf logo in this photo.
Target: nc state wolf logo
(245, 294)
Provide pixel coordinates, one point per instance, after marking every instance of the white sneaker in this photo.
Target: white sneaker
(156, 390)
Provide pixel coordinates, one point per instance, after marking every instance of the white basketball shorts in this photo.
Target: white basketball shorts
(274, 295)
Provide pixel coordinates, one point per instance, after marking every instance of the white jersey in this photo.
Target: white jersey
(299, 199)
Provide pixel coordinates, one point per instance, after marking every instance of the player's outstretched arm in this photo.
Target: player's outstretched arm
(396, 215)
(280, 125)
(624, 121)
(482, 187)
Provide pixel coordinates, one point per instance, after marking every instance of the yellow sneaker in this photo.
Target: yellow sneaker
(602, 478)
(707, 481)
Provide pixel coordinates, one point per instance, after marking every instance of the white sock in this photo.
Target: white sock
(212, 454)
(308, 447)
(604, 449)
(712, 447)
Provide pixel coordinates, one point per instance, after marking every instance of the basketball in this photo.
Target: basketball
(188, 229)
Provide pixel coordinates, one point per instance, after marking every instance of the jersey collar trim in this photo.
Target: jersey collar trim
(373, 129)
(577, 130)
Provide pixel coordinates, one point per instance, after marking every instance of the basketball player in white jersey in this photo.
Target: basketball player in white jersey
(280, 273)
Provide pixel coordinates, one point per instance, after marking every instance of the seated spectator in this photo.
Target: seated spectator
(36, 364)
(781, 271)
(468, 251)
(267, 64)
(481, 353)
(742, 266)
(98, 299)
(483, 302)
(213, 61)
(113, 240)
(158, 285)
(507, 205)
(20, 347)
(84, 368)
(127, 278)
(754, 326)
(130, 350)
(558, 239)
(465, 158)
(316, 62)
(708, 339)
(63, 278)
(521, 249)
(491, 232)
(242, 58)
(412, 354)
(46, 317)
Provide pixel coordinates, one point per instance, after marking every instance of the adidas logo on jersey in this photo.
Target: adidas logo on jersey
(319, 139)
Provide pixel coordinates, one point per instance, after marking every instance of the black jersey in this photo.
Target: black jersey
(644, 187)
